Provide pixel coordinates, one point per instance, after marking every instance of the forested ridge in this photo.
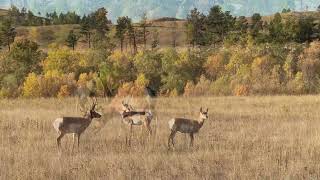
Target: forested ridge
(222, 54)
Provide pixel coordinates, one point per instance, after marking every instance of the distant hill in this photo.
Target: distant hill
(3, 12)
(166, 28)
(167, 19)
(163, 8)
(56, 34)
(46, 35)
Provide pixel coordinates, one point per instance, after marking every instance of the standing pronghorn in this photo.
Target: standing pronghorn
(135, 118)
(186, 126)
(75, 125)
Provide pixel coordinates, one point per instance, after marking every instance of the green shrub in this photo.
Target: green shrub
(221, 86)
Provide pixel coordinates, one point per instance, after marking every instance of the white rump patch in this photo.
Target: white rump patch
(57, 124)
(137, 121)
(171, 123)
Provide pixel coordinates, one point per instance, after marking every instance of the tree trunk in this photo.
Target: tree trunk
(130, 44)
(121, 44)
(89, 40)
(144, 37)
(135, 48)
(9, 48)
(125, 41)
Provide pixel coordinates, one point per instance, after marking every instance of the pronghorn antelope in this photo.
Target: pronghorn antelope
(135, 118)
(75, 125)
(186, 126)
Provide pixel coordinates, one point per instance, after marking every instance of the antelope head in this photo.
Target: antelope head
(203, 114)
(91, 113)
(126, 107)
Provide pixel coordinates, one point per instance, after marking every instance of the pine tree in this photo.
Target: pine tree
(196, 28)
(144, 24)
(241, 25)
(256, 25)
(133, 37)
(86, 29)
(7, 33)
(219, 23)
(72, 39)
(276, 29)
(100, 21)
(122, 28)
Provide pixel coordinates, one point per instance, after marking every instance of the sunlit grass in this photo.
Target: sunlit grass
(244, 138)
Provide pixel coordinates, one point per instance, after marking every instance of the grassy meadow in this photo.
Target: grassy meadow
(244, 138)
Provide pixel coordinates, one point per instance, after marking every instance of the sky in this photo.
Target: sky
(4, 4)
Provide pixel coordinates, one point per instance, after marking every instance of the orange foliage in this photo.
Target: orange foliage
(241, 90)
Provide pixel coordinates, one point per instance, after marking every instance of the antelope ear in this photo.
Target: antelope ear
(201, 109)
(207, 109)
(122, 102)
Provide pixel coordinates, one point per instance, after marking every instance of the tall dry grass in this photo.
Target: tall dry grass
(244, 138)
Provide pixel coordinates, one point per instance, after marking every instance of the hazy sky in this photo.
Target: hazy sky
(4, 3)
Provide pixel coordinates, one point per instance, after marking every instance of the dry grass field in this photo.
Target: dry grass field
(57, 34)
(244, 138)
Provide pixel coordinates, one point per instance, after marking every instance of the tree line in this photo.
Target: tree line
(220, 27)
(227, 56)
(26, 17)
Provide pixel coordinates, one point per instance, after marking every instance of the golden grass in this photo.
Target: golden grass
(244, 138)
(46, 35)
(59, 34)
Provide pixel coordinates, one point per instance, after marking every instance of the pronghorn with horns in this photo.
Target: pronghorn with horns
(75, 125)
